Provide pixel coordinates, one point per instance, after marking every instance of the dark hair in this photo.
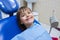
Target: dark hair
(21, 26)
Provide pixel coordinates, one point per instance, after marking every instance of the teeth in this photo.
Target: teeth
(29, 18)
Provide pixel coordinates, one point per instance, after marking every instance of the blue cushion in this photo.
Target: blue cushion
(9, 6)
(10, 27)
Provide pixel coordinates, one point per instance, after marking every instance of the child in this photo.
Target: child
(31, 30)
(25, 17)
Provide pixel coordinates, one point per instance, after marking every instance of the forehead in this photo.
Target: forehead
(25, 10)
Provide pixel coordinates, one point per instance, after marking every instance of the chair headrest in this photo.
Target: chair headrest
(9, 6)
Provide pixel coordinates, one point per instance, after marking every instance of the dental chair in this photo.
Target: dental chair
(8, 26)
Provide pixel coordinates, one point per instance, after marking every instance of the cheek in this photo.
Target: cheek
(23, 20)
(32, 16)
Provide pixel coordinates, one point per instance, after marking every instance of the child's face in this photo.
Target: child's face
(26, 17)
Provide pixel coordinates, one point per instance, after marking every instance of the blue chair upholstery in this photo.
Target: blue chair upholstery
(10, 27)
(9, 6)
(0, 15)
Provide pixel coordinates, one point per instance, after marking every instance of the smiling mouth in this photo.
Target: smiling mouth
(29, 18)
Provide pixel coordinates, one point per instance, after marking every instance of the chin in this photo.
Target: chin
(31, 21)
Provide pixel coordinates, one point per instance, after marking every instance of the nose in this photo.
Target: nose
(27, 15)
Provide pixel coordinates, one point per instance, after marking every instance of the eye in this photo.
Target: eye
(29, 12)
(22, 15)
